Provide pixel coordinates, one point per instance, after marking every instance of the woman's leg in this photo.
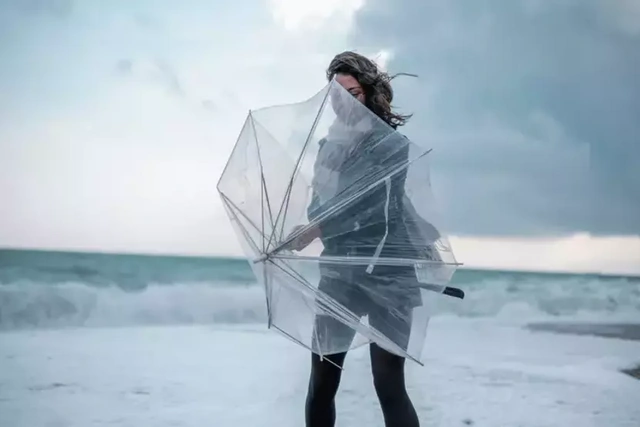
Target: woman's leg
(388, 368)
(320, 410)
(388, 379)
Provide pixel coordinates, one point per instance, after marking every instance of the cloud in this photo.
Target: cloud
(156, 70)
(295, 15)
(624, 15)
(115, 125)
(532, 108)
(54, 8)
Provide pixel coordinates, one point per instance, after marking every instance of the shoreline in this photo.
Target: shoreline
(621, 331)
(231, 257)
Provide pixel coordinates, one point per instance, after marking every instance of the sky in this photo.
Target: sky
(116, 118)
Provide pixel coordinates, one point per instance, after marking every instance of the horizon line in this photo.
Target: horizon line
(244, 258)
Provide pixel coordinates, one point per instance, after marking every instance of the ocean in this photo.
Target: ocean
(128, 340)
(52, 289)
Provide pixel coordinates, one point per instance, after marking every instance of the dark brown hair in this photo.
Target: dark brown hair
(375, 83)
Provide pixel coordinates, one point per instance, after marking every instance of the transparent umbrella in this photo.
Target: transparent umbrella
(335, 213)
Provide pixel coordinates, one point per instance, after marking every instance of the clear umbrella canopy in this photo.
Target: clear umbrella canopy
(335, 212)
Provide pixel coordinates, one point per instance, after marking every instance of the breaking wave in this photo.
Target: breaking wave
(30, 304)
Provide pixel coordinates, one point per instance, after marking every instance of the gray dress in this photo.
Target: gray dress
(381, 223)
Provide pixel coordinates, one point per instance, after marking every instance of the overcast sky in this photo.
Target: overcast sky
(116, 118)
(533, 107)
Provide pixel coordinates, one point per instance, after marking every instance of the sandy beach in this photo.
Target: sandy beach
(479, 372)
(623, 331)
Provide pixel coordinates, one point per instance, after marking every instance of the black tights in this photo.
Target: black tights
(388, 379)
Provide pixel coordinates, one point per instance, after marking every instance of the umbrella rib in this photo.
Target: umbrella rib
(356, 260)
(233, 151)
(297, 341)
(330, 302)
(289, 271)
(287, 196)
(264, 193)
(265, 130)
(232, 208)
(267, 291)
(302, 153)
(297, 276)
(255, 227)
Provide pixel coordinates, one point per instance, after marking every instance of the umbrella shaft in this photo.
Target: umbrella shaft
(263, 258)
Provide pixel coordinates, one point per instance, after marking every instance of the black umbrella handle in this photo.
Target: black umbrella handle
(453, 292)
(448, 290)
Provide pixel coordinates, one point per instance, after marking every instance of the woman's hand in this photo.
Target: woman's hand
(304, 239)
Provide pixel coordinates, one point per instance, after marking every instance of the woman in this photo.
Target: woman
(387, 235)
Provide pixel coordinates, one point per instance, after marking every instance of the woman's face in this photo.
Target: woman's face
(343, 106)
(351, 85)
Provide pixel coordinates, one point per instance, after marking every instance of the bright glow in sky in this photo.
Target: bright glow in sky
(301, 16)
(116, 119)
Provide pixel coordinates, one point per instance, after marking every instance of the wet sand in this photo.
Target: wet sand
(624, 331)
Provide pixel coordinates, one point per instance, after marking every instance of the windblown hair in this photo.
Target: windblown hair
(375, 83)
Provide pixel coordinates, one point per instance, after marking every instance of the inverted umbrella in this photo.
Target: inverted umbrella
(334, 209)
